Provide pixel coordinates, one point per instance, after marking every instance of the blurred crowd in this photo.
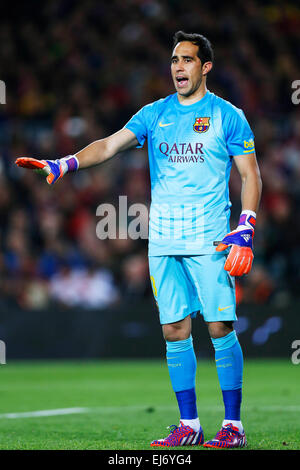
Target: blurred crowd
(76, 72)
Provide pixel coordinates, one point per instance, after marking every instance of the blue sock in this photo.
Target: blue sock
(182, 369)
(229, 362)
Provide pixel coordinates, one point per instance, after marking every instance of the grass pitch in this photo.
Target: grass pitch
(121, 405)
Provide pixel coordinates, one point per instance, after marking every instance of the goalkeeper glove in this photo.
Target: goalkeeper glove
(240, 258)
(54, 169)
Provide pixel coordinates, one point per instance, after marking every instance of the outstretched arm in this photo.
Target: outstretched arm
(95, 153)
(104, 149)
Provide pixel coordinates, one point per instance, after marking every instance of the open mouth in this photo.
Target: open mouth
(181, 81)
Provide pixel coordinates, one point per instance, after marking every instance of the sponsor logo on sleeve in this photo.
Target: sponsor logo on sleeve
(248, 146)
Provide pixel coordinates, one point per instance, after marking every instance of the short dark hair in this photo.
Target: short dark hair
(205, 51)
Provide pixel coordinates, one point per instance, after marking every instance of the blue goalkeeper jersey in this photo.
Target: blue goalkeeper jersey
(190, 151)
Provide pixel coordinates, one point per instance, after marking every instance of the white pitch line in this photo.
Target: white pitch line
(38, 414)
(132, 408)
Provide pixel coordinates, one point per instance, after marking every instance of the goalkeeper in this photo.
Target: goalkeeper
(193, 137)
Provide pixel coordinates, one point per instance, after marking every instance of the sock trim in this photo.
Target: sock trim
(179, 346)
(225, 342)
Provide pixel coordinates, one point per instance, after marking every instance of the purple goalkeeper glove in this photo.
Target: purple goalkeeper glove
(54, 169)
(240, 258)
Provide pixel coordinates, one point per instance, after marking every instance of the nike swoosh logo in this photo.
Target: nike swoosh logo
(225, 357)
(224, 308)
(165, 125)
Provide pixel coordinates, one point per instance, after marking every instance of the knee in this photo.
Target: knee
(177, 331)
(174, 334)
(219, 329)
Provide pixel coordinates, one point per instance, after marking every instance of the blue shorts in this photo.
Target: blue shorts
(186, 285)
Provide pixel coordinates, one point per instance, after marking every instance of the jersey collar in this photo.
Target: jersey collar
(191, 107)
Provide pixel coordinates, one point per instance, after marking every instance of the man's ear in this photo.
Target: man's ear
(207, 66)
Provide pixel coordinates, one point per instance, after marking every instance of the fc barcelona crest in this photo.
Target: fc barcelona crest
(201, 124)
